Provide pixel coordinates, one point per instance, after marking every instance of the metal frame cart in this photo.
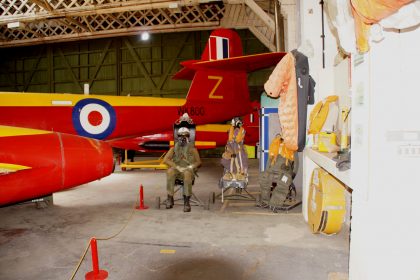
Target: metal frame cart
(239, 186)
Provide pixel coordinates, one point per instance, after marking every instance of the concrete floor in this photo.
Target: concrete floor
(239, 243)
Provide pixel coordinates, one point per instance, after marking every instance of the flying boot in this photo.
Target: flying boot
(170, 202)
(187, 206)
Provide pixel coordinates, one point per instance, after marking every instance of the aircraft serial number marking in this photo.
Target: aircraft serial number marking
(192, 111)
(219, 80)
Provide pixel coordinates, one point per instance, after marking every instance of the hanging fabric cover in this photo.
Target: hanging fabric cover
(291, 82)
(353, 19)
(366, 13)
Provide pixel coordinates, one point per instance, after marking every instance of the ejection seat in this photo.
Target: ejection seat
(184, 121)
(234, 177)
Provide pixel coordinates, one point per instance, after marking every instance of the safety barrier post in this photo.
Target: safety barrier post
(142, 206)
(96, 273)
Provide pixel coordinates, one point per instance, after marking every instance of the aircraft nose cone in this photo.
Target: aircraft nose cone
(85, 160)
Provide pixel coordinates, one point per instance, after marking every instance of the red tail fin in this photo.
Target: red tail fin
(219, 80)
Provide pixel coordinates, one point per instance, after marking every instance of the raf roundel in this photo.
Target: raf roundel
(94, 118)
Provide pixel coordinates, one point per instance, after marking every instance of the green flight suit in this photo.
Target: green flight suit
(183, 162)
(282, 175)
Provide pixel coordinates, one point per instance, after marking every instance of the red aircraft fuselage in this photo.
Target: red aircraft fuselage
(207, 136)
(51, 142)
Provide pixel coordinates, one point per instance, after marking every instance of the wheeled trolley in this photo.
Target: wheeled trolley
(239, 185)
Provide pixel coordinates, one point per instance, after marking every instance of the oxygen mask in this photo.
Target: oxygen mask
(183, 140)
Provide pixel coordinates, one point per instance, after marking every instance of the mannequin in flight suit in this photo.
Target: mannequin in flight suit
(235, 159)
(183, 161)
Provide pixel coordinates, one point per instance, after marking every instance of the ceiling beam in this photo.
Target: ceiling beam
(43, 4)
(115, 7)
(77, 23)
(88, 21)
(116, 19)
(269, 22)
(37, 34)
(167, 28)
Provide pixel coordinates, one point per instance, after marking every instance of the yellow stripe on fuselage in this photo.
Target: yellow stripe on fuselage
(8, 167)
(213, 127)
(205, 143)
(6, 131)
(55, 100)
(198, 143)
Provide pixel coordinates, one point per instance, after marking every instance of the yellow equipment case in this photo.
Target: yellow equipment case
(326, 203)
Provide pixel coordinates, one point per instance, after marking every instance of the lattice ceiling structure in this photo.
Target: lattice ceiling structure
(28, 22)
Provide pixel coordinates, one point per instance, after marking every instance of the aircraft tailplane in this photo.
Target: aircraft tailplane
(220, 77)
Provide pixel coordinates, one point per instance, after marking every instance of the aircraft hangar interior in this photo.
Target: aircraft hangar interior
(200, 139)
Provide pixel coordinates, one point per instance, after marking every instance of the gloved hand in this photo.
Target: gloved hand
(180, 169)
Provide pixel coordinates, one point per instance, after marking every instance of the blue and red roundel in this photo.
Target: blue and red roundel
(93, 118)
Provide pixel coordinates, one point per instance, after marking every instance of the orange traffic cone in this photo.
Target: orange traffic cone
(142, 206)
(96, 273)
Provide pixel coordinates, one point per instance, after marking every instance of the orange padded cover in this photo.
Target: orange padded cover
(282, 82)
(366, 13)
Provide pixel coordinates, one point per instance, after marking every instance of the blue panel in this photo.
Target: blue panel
(264, 135)
(261, 137)
(267, 111)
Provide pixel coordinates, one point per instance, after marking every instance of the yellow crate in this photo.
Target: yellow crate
(327, 142)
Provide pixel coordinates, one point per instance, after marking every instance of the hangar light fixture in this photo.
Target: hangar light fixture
(173, 5)
(145, 36)
(16, 25)
(174, 8)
